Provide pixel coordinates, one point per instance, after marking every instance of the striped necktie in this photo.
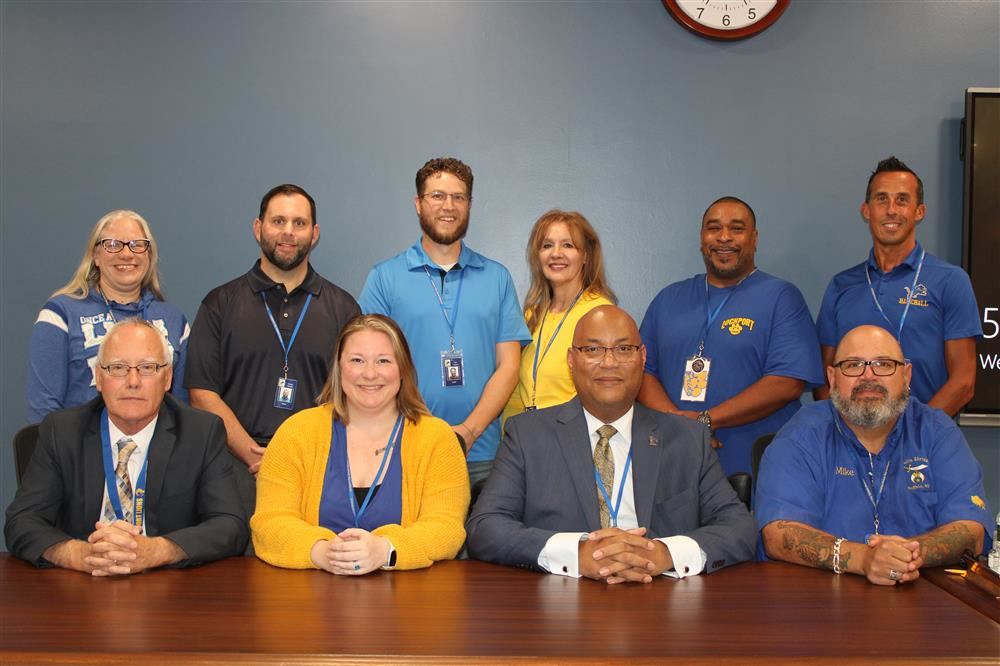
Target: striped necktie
(604, 463)
(125, 449)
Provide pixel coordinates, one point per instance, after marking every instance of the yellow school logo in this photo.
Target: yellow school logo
(695, 383)
(914, 296)
(978, 501)
(737, 324)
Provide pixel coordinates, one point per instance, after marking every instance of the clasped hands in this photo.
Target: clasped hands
(619, 556)
(114, 549)
(887, 555)
(353, 552)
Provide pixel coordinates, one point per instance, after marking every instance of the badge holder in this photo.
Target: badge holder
(695, 383)
(284, 396)
(452, 368)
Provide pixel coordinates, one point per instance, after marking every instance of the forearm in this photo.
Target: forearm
(237, 438)
(798, 543)
(945, 544)
(952, 396)
(68, 554)
(494, 397)
(163, 552)
(761, 399)
(653, 396)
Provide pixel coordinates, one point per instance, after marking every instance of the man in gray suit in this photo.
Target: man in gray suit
(604, 488)
(171, 499)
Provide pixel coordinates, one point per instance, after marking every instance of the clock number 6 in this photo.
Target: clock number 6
(725, 20)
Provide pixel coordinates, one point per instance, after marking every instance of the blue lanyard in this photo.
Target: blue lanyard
(138, 491)
(613, 511)
(708, 307)
(295, 331)
(541, 325)
(909, 296)
(875, 500)
(444, 311)
(395, 436)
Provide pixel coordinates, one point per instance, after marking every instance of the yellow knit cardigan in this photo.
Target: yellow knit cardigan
(285, 525)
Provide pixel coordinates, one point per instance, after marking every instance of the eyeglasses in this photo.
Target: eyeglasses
(122, 369)
(881, 367)
(114, 246)
(621, 353)
(438, 198)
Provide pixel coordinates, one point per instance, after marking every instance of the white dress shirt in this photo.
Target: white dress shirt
(135, 461)
(561, 554)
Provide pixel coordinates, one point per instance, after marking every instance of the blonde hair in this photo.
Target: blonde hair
(539, 297)
(408, 401)
(87, 275)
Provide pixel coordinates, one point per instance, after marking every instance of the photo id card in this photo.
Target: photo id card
(284, 397)
(695, 383)
(452, 368)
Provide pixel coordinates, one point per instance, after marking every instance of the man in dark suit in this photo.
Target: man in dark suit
(171, 498)
(604, 488)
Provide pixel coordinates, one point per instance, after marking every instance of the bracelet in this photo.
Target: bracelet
(836, 556)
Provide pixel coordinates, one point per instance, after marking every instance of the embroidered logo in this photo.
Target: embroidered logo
(978, 501)
(915, 468)
(737, 324)
(840, 470)
(915, 296)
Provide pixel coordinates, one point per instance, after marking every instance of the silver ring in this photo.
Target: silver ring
(357, 567)
(893, 574)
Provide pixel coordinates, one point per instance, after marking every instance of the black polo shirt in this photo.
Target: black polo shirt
(234, 351)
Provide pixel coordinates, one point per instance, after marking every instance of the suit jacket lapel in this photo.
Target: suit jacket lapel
(161, 447)
(646, 452)
(574, 441)
(94, 481)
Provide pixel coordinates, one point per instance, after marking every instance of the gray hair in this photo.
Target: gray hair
(168, 350)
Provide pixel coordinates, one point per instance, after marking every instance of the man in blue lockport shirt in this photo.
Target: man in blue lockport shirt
(871, 482)
(734, 347)
(459, 312)
(926, 303)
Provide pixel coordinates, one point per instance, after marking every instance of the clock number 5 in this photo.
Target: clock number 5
(752, 13)
(987, 320)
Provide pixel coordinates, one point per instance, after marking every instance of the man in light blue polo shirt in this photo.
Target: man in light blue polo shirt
(732, 347)
(871, 482)
(459, 312)
(926, 303)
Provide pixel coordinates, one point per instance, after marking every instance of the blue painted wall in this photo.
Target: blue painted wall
(188, 112)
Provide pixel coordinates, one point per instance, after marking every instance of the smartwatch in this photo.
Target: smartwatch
(390, 561)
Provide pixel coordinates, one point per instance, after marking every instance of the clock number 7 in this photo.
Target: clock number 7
(700, 10)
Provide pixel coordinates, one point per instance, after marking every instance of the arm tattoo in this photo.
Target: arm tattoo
(810, 546)
(945, 544)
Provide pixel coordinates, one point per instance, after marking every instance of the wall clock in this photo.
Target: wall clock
(726, 19)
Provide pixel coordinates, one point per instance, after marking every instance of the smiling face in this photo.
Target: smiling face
(121, 273)
(287, 233)
(728, 243)
(892, 211)
(447, 222)
(561, 257)
(369, 372)
(607, 388)
(132, 400)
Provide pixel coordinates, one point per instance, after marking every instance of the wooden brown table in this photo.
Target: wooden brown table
(962, 589)
(242, 610)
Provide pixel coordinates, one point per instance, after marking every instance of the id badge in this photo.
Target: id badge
(452, 368)
(284, 396)
(695, 384)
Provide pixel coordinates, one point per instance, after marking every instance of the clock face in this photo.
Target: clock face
(726, 19)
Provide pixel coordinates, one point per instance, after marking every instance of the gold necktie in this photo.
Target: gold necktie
(604, 463)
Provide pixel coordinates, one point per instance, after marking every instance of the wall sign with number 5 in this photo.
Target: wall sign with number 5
(726, 19)
(991, 322)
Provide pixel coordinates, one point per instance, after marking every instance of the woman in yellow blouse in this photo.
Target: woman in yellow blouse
(369, 479)
(567, 281)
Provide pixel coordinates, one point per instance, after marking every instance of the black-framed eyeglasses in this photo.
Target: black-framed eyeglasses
(438, 198)
(881, 367)
(114, 246)
(621, 353)
(147, 369)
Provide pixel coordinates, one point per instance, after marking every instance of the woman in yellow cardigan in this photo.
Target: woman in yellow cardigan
(567, 281)
(369, 479)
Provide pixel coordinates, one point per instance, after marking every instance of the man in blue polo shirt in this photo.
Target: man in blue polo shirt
(871, 482)
(459, 312)
(926, 303)
(734, 347)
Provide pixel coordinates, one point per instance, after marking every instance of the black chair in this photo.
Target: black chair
(756, 453)
(743, 485)
(24, 445)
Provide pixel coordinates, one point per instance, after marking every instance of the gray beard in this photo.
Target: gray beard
(870, 413)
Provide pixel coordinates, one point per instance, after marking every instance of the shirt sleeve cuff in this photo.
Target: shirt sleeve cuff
(561, 554)
(688, 557)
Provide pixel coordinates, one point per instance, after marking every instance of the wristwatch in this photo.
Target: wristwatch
(706, 419)
(390, 561)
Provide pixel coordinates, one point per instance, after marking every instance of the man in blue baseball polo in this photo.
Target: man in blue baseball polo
(926, 303)
(733, 347)
(459, 312)
(871, 482)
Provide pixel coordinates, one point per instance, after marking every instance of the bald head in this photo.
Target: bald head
(868, 342)
(606, 362)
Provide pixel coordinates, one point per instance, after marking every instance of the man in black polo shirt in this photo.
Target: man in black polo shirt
(261, 345)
